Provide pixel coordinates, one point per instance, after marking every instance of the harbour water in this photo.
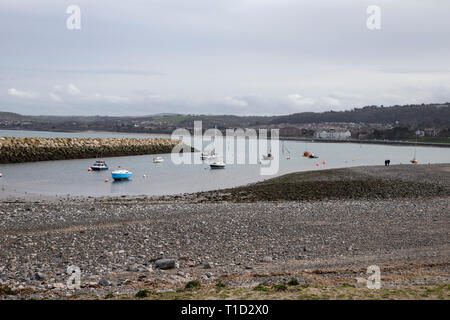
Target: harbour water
(71, 177)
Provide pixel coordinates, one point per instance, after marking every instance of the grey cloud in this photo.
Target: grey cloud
(224, 56)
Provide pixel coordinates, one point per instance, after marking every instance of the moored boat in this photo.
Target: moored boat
(217, 165)
(158, 160)
(99, 165)
(208, 155)
(121, 174)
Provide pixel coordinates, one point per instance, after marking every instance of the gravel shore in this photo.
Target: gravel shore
(241, 237)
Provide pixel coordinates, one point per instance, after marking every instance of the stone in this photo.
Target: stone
(267, 259)
(361, 283)
(165, 264)
(39, 276)
(103, 282)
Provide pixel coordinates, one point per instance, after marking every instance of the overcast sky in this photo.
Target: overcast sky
(260, 57)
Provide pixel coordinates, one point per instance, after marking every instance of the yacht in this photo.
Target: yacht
(217, 165)
(208, 155)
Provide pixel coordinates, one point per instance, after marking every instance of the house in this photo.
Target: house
(420, 133)
(332, 134)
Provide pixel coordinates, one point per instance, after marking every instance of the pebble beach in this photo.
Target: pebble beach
(241, 237)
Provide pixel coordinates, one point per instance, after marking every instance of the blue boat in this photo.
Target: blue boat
(99, 165)
(121, 174)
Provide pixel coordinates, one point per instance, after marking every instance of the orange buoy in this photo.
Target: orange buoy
(1, 175)
(118, 166)
(106, 180)
(89, 169)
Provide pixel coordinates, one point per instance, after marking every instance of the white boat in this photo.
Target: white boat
(217, 165)
(99, 165)
(158, 160)
(208, 155)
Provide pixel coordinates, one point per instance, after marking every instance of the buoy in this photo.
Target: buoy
(1, 175)
(323, 162)
(118, 166)
(317, 164)
(106, 180)
(89, 169)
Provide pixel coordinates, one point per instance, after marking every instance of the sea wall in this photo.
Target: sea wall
(15, 150)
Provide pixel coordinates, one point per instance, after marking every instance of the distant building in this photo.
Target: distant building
(420, 133)
(332, 134)
(431, 132)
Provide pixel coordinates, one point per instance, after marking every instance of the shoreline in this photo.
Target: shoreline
(381, 142)
(234, 194)
(324, 243)
(282, 138)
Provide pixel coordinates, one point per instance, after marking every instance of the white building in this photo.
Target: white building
(333, 134)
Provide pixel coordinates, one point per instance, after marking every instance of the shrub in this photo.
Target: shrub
(293, 282)
(193, 284)
(220, 284)
(280, 287)
(261, 287)
(109, 296)
(142, 293)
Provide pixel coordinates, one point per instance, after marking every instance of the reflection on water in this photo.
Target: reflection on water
(71, 177)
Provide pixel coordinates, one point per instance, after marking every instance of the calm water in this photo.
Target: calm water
(72, 177)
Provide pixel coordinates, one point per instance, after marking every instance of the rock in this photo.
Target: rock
(165, 264)
(103, 282)
(209, 274)
(267, 259)
(361, 283)
(207, 265)
(39, 276)
(59, 285)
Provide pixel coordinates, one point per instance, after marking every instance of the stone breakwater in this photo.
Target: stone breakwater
(15, 150)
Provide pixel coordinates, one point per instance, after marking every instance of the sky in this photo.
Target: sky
(243, 57)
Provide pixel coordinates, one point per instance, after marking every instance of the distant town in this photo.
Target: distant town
(427, 123)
